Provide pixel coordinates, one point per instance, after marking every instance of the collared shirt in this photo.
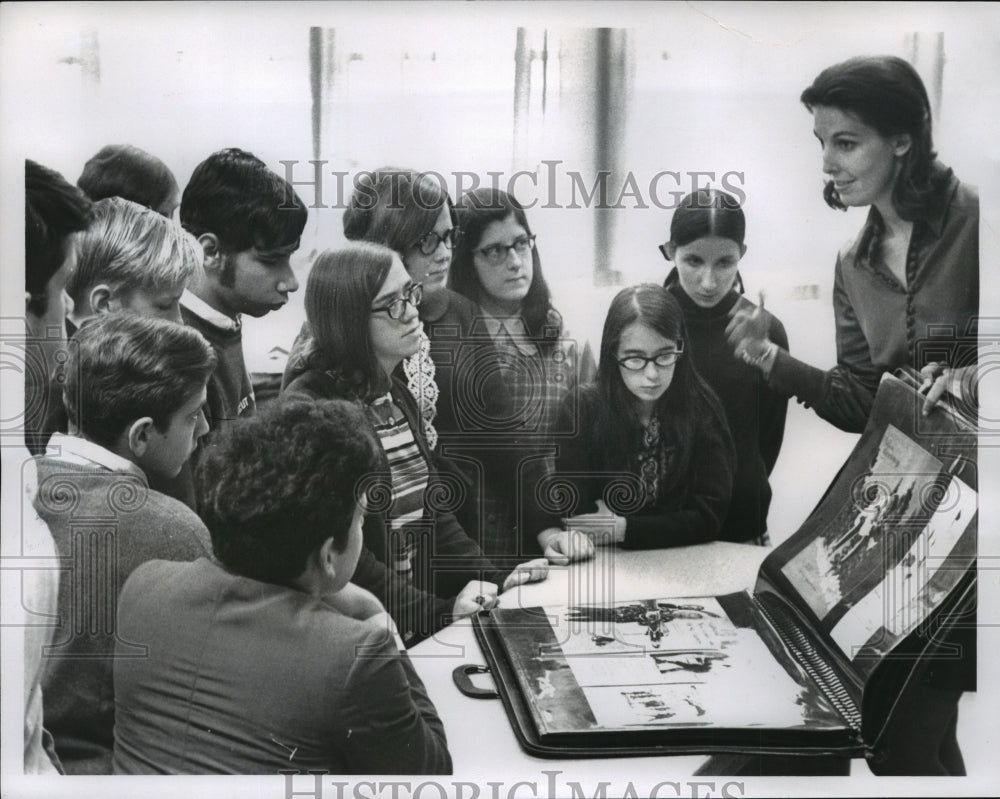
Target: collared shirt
(515, 330)
(230, 388)
(883, 325)
(80, 451)
(203, 310)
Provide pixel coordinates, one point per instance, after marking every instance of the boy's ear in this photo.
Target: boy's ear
(100, 298)
(669, 249)
(329, 559)
(213, 254)
(139, 433)
(743, 250)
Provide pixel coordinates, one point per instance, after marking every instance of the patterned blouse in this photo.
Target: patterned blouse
(538, 381)
(409, 476)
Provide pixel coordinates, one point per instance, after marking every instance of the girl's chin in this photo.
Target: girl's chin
(515, 296)
(434, 283)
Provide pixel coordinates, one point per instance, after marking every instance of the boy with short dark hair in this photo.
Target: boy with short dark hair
(248, 221)
(122, 170)
(54, 210)
(268, 660)
(134, 391)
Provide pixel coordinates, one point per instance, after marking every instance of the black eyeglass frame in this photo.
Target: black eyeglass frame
(450, 238)
(412, 295)
(672, 356)
(500, 260)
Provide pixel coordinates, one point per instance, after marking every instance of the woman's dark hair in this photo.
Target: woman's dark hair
(706, 212)
(395, 207)
(887, 94)
(687, 404)
(476, 210)
(121, 170)
(341, 288)
(273, 487)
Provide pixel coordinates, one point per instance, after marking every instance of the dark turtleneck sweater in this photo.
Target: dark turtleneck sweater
(755, 413)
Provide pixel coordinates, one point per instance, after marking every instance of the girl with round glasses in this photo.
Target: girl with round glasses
(453, 375)
(651, 462)
(497, 266)
(706, 244)
(410, 213)
(362, 309)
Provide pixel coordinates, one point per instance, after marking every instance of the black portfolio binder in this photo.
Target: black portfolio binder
(848, 610)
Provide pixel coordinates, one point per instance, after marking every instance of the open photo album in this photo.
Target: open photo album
(870, 589)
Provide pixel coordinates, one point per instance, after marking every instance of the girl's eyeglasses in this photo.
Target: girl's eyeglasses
(429, 242)
(413, 295)
(636, 363)
(496, 254)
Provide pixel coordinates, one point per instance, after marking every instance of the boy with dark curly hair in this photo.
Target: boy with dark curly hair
(266, 659)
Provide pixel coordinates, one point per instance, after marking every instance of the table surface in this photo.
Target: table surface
(480, 738)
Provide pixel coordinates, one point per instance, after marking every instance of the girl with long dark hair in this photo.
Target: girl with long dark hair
(453, 375)
(497, 265)
(651, 462)
(361, 306)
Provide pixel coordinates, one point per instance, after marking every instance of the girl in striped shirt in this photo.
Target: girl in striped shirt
(361, 305)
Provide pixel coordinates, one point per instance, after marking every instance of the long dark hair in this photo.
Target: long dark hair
(395, 206)
(475, 211)
(341, 288)
(885, 93)
(685, 405)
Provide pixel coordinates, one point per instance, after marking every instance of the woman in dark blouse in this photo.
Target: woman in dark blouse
(906, 289)
(906, 292)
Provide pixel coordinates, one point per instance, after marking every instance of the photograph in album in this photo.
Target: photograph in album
(612, 668)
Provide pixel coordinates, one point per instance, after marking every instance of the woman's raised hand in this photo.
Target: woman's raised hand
(747, 334)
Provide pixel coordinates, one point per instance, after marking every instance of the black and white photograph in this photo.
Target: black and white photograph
(363, 338)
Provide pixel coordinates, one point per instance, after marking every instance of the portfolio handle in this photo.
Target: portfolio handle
(464, 683)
